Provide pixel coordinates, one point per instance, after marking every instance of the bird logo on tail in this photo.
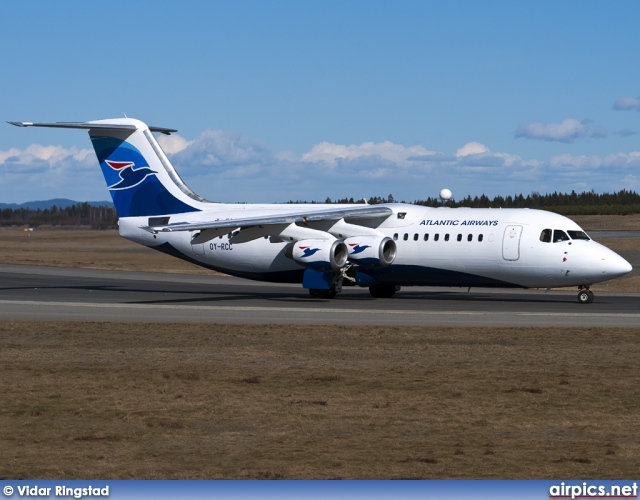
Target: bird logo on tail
(128, 176)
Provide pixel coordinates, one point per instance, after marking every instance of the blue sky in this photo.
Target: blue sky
(300, 100)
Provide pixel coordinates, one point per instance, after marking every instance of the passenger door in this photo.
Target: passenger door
(511, 242)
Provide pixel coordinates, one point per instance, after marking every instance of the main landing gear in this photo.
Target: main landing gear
(346, 276)
(585, 296)
(377, 291)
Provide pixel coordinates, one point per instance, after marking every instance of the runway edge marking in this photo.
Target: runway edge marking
(300, 310)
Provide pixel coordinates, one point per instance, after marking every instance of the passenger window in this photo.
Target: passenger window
(480, 237)
(578, 235)
(559, 236)
(415, 237)
(405, 237)
(436, 237)
(459, 237)
(470, 237)
(426, 237)
(545, 236)
(446, 237)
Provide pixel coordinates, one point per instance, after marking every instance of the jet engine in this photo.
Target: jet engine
(371, 251)
(321, 255)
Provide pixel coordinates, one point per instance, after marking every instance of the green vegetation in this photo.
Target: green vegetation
(586, 203)
(81, 214)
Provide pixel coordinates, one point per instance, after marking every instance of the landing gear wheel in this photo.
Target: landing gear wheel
(317, 293)
(382, 291)
(585, 296)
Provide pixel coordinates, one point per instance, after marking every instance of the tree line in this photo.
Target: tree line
(81, 214)
(623, 202)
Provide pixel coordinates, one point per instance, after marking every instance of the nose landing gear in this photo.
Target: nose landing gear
(585, 296)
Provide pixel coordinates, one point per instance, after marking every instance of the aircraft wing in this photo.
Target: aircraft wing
(366, 212)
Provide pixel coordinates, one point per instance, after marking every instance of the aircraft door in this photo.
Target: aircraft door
(198, 248)
(511, 242)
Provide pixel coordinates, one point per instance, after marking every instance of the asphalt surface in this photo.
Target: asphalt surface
(47, 293)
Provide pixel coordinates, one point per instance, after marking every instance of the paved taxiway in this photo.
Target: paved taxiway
(46, 293)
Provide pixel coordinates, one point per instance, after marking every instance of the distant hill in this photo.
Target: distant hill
(47, 204)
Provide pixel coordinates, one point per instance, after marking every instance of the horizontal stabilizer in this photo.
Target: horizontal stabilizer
(89, 126)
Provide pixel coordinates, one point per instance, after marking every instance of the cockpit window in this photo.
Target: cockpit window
(559, 235)
(578, 235)
(545, 235)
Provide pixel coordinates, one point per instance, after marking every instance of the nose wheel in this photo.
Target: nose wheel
(585, 296)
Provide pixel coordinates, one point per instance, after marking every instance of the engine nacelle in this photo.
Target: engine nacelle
(371, 251)
(321, 255)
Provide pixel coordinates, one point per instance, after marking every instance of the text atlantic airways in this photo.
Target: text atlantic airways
(326, 247)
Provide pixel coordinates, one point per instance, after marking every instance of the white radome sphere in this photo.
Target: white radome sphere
(445, 194)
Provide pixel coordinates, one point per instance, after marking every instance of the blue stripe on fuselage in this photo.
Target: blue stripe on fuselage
(403, 275)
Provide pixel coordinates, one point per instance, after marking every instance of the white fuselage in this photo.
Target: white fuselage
(435, 246)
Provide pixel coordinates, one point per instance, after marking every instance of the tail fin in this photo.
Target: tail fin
(140, 178)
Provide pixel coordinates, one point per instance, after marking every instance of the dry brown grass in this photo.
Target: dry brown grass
(86, 249)
(92, 400)
(608, 222)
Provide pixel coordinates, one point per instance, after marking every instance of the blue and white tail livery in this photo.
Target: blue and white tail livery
(326, 247)
(139, 176)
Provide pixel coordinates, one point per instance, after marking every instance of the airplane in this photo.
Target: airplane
(324, 246)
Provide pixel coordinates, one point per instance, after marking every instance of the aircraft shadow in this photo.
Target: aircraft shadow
(238, 293)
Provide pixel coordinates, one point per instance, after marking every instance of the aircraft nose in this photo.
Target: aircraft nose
(618, 266)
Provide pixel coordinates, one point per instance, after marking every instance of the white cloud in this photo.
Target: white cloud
(627, 103)
(568, 130)
(45, 172)
(10, 153)
(222, 150)
(227, 166)
(567, 162)
(622, 160)
(471, 148)
(172, 144)
(50, 159)
(609, 165)
(331, 153)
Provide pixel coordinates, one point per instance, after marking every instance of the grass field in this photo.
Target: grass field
(91, 400)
